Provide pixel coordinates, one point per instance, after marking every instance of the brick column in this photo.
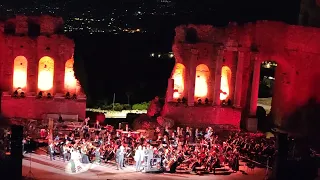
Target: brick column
(255, 86)
(59, 71)
(238, 85)
(33, 68)
(170, 90)
(192, 76)
(217, 80)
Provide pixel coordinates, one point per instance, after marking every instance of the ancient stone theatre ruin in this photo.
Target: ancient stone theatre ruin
(217, 72)
(37, 76)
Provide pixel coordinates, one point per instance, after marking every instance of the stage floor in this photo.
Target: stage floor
(44, 169)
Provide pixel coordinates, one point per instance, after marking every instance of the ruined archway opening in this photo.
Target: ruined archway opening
(70, 81)
(267, 81)
(20, 71)
(46, 74)
(202, 83)
(225, 85)
(178, 77)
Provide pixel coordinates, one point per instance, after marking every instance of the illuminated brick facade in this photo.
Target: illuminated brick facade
(33, 58)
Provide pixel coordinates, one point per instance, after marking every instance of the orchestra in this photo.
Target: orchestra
(168, 150)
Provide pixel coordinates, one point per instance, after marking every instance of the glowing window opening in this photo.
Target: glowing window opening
(178, 77)
(225, 83)
(70, 82)
(20, 72)
(202, 78)
(46, 74)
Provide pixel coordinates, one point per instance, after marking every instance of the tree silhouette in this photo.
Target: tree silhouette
(129, 94)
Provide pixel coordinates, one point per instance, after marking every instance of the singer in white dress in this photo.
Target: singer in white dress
(74, 165)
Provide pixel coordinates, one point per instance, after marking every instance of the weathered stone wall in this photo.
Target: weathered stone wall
(203, 115)
(295, 49)
(47, 43)
(30, 107)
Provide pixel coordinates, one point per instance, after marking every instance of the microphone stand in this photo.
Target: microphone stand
(30, 175)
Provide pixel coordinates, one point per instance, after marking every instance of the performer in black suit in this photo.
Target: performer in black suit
(60, 120)
(51, 151)
(235, 162)
(85, 128)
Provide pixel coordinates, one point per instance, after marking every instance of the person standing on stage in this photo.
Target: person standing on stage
(97, 155)
(51, 151)
(149, 157)
(66, 154)
(120, 157)
(138, 157)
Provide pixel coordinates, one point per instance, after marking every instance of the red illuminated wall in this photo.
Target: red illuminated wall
(296, 50)
(204, 116)
(57, 47)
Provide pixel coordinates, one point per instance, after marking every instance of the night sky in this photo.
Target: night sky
(121, 63)
(108, 64)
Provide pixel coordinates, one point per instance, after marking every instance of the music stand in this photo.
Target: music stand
(267, 170)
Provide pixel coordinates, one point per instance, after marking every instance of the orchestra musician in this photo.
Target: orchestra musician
(235, 162)
(60, 120)
(65, 153)
(85, 128)
(166, 131)
(24, 142)
(71, 138)
(127, 128)
(65, 139)
(97, 155)
(97, 127)
(84, 154)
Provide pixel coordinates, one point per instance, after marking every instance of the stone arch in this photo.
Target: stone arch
(201, 89)
(225, 83)
(282, 87)
(45, 74)
(191, 36)
(179, 79)
(70, 82)
(20, 72)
